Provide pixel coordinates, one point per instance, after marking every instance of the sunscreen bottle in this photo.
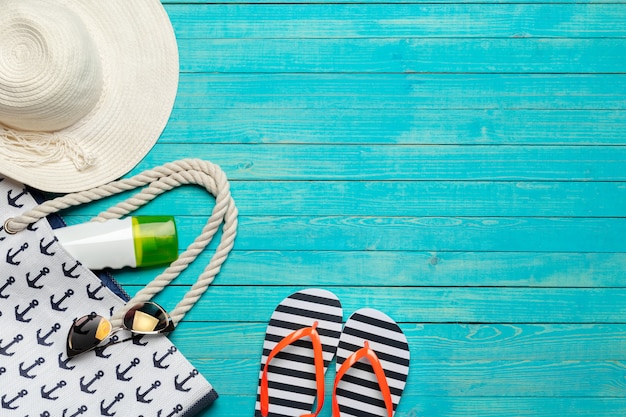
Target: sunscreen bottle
(117, 243)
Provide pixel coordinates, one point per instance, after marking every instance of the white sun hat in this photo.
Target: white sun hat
(86, 88)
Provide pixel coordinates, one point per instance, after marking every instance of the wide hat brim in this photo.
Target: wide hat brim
(139, 57)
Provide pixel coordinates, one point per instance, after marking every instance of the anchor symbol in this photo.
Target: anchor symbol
(9, 282)
(9, 404)
(63, 364)
(79, 411)
(44, 414)
(56, 305)
(180, 385)
(42, 339)
(85, 387)
(13, 200)
(45, 249)
(99, 350)
(32, 227)
(175, 411)
(48, 395)
(106, 411)
(4, 349)
(11, 254)
(20, 316)
(25, 371)
(121, 376)
(142, 397)
(69, 272)
(158, 363)
(32, 283)
(136, 338)
(92, 294)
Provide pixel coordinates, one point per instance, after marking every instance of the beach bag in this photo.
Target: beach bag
(43, 290)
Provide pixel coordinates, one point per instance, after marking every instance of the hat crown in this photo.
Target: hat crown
(50, 70)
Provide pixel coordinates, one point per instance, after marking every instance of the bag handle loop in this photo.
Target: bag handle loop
(158, 181)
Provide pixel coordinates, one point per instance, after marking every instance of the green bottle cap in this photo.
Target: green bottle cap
(156, 240)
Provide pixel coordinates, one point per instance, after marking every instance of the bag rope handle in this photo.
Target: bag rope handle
(158, 181)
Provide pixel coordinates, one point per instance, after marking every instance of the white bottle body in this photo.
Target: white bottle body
(100, 245)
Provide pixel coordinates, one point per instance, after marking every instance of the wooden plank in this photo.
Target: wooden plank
(400, 126)
(404, 55)
(415, 405)
(430, 198)
(502, 305)
(513, 406)
(375, 20)
(402, 163)
(458, 379)
(402, 268)
(398, 198)
(421, 234)
(434, 342)
(393, 2)
(387, 92)
(433, 234)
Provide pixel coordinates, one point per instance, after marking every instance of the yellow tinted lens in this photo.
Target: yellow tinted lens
(147, 318)
(143, 322)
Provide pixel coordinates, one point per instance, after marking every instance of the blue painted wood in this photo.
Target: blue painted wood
(411, 268)
(456, 164)
(385, 92)
(444, 342)
(433, 234)
(401, 198)
(404, 163)
(394, 2)
(418, 304)
(319, 20)
(471, 379)
(405, 55)
(401, 126)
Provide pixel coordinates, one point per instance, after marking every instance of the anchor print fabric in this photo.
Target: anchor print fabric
(42, 290)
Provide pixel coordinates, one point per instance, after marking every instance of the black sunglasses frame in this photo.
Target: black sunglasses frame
(96, 323)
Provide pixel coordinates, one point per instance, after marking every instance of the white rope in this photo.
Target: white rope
(158, 181)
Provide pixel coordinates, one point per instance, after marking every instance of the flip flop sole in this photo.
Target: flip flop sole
(291, 373)
(358, 393)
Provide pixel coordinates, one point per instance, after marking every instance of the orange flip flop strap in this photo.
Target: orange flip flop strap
(318, 360)
(364, 352)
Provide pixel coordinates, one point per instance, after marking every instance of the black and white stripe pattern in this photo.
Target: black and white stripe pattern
(358, 392)
(291, 373)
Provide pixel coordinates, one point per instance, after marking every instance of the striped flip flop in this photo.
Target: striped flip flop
(372, 366)
(300, 342)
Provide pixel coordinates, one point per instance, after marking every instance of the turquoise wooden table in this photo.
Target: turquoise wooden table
(459, 165)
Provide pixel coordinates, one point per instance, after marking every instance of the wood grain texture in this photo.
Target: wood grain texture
(422, 304)
(401, 198)
(441, 342)
(409, 268)
(385, 92)
(459, 165)
(340, 20)
(426, 126)
(405, 55)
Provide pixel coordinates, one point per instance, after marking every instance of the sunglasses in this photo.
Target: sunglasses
(89, 331)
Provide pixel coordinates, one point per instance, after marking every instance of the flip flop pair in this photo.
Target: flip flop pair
(304, 334)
